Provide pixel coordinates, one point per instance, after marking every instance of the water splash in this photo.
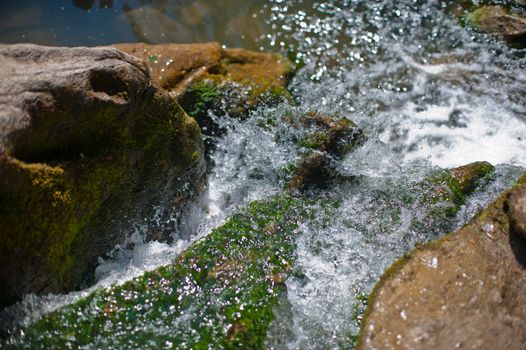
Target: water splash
(426, 90)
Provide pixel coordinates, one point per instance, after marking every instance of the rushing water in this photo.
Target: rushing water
(427, 91)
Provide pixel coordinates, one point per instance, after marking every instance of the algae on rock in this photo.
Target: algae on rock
(499, 21)
(218, 293)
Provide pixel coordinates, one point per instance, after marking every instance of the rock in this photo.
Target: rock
(310, 171)
(207, 78)
(517, 210)
(499, 21)
(232, 278)
(165, 30)
(244, 77)
(174, 66)
(86, 5)
(325, 139)
(87, 146)
(466, 290)
(456, 183)
(190, 21)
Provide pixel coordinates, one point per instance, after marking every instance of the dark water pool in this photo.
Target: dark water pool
(100, 22)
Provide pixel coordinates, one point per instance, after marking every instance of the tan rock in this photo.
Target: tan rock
(176, 67)
(465, 291)
(498, 20)
(170, 64)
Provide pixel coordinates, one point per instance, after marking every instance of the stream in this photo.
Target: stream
(428, 92)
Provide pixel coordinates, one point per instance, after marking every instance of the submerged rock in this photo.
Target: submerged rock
(466, 290)
(87, 145)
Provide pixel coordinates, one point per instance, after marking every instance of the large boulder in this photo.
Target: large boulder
(467, 290)
(87, 145)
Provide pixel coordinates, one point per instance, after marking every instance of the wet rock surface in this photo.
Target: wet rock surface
(325, 140)
(173, 66)
(466, 290)
(499, 21)
(206, 78)
(247, 74)
(232, 279)
(86, 145)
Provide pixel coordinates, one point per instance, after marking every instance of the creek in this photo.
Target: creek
(428, 92)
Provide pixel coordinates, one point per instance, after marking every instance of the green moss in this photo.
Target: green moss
(202, 93)
(474, 18)
(314, 140)
(55, 214)
(219, 293)
(47, 191)
(278, 93)
(286, 173)
(455, 184)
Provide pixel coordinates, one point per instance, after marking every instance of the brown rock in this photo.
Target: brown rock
(327, 138)
(517, 210)
(497, 20)
(87, 146)
(171, 64)
(39, 83)
(310, 170)
(467, 291)
(248, 75)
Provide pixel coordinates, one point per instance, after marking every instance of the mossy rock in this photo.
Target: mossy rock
(92, 150)
(219, 293)
(324, 147)
(232, 278)
(499, 21)
(322, 141)
(240, 79)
